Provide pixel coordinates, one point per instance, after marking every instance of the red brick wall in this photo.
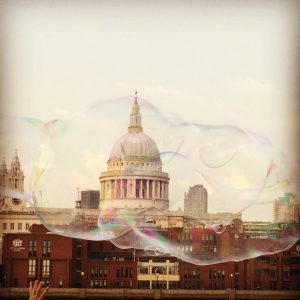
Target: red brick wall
(282, 268)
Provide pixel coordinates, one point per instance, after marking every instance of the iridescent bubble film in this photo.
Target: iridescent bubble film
(124, 171)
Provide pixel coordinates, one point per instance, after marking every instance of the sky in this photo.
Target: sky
(208, 62)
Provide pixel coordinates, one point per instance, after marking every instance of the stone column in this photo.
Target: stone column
(163, 190)
(167, 190)
(159, 193)
(102, 190)
(153, 189)
(121, 188)
(108, 189)
(147, 190)
(134, 186)
(141, 189)
(128, 188)
(115, 188)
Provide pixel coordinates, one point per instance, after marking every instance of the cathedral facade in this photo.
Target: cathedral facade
(12, 179)
(134, 179)
(15, 215)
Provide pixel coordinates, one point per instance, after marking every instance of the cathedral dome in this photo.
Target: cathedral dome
(135, 146)
(134, 178)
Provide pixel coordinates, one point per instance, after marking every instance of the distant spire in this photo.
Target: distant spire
(15, 162)
(3, 165)
(135, 97)
(16, 157)
(135, 124)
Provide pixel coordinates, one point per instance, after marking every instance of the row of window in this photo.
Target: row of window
(194, 273)
(209, 237)
(274, 260)
(208, 249)
(204, 249)
(114, 258)
(15, 181)
(271, 273)
(217, 279)
(45, 267)
(161, 270)
(157, 284)
(124, 272)
(216, 273)
(184, 237)
(46, 249)
(185, 248)
(98, 283)
(95, 283)
(204, 237)
(267, 260)
(98, 272)
(136, 164)
(12, 226)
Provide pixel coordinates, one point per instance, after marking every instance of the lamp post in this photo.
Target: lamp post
(231, 279)
(157, 274)
(83, 279)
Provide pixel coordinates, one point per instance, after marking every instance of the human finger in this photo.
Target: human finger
(45, 291)
(36, 284)
(38, 290)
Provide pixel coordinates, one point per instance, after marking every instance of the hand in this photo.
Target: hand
(36, 292)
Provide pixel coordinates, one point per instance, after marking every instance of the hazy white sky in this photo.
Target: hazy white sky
(211, 62)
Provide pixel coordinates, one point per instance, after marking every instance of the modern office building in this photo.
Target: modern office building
(195, 200)
(90, 199)
(286, 209)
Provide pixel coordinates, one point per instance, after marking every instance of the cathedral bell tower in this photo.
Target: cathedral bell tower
(12, 179)
(15, 175)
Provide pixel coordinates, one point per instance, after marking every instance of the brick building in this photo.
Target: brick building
(66, 262)
(38, 255)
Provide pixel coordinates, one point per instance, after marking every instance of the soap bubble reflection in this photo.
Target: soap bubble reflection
(240, 169)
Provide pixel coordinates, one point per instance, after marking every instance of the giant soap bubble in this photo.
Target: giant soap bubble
(142, 161)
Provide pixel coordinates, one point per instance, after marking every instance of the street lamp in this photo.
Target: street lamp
(83, 279)
(231, 278)
(157, 274)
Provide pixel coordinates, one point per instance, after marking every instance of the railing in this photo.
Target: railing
(154, 294)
